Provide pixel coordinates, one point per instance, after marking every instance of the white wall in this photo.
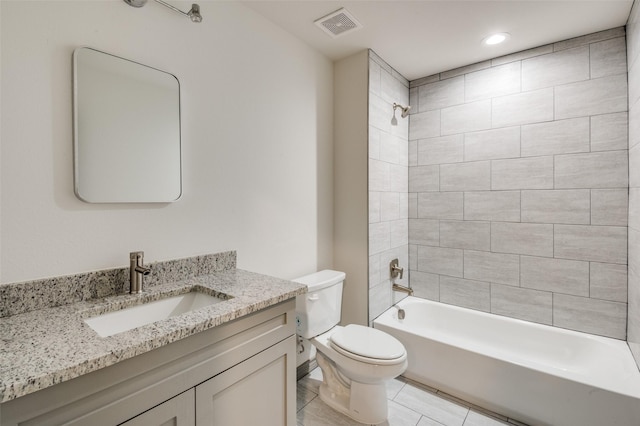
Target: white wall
(256, 138)
(350, 190)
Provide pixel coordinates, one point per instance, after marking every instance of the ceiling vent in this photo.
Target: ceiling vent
(338, 23)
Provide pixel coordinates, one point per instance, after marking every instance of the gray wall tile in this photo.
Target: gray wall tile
(594, 316)
(379, 299)
(374, 143)
(522, 238)
(589, 38)
(522, 108)
(379, 176)
(491, 82)
(412, 148)
(522, 303)
(465, 234)
(424, 80)
(423, 178)
(398, 178)
(634, 123)
(413, 100)
(608, 281)
(413, 257)
(389, 206)
(374, 207)
(492, 144)
(568, 176)
(634, 89)
(424, 125)
(557, 68)
(441, 94)
(525, 54)
(392, 89)
(592, 97)
(634, 171)
(524, 173)
(439, 260)
(424, 232)
(608, 169)
(556, 137)
(374, 77)
(609, 207)
(633, 35)
(609, 132)
(473, 176)
(379, 237)
(634, 208)
(492, 267)
(465, 70)
(555, 275)
(375, 276)
(556, 206)
(444, 149)
(466, 117)
(393, 149)
(380, 113)
(413, 204)
(425, 285)
(404, 205)
(492, 205)
(596, 243)
(466, 293)
(440, 205)
(399, 232)
(608, 57)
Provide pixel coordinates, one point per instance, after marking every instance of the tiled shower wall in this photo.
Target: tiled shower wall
(518, 175)
(388, 183)
(633, 49)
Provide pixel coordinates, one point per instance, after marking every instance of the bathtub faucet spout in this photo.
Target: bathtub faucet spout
(403, 289)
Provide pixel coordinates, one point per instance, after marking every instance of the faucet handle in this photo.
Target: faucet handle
(395, 270)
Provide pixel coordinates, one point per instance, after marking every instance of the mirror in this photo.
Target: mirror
(126, 130)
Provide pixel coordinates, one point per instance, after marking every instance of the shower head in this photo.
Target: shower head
(193, 14)
(404, 112)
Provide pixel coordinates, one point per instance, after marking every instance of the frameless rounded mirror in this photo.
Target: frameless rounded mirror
(126, 130)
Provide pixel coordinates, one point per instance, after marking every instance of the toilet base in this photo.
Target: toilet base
(363, 402)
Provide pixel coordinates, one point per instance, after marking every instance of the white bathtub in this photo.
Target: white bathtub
(533, 373)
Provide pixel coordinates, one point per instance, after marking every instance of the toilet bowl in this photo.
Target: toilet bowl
(355, 360)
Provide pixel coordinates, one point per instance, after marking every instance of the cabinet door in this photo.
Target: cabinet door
(258, 391)
(178, 411)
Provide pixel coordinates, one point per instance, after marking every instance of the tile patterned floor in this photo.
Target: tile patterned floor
(410, 404)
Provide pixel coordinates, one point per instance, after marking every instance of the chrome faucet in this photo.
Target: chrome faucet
(137, 271)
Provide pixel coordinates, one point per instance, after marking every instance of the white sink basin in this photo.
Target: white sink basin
(127, 319)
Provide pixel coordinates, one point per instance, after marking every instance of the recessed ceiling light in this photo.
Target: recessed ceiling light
(496, 38)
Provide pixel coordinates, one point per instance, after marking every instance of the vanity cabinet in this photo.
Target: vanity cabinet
(178, 411)
(239, 373)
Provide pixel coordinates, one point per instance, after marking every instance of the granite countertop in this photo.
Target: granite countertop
(47, 346)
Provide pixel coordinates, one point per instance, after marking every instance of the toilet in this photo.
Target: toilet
(355, 360)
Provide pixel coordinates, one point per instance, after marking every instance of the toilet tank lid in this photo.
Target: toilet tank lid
(322, 279)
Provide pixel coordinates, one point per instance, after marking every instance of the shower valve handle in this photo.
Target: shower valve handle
(395, 270)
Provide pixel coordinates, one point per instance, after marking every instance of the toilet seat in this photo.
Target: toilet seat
(367, 345)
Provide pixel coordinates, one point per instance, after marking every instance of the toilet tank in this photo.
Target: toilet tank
(319, 309)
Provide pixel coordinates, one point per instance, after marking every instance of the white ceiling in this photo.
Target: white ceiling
(423, 37)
